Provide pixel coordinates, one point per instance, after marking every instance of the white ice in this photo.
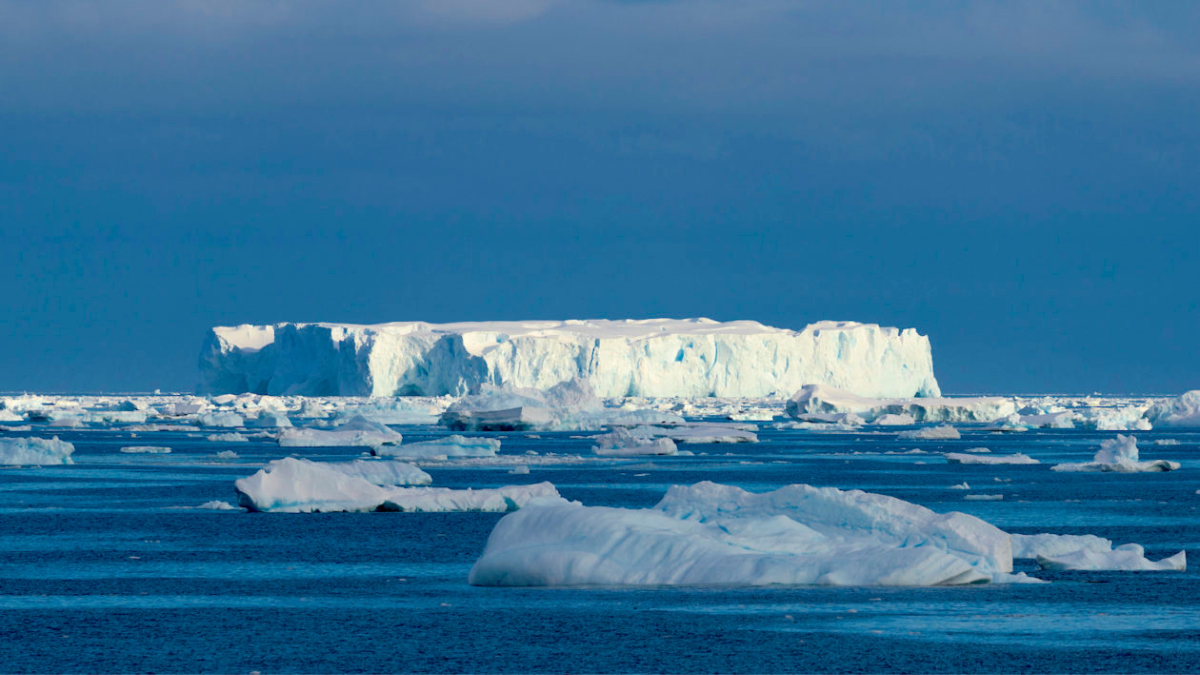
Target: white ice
(620, 442)
(1176, 412)
(35, 451)
(964, 458)
(817, 399)
(942, 433)
(357, 432)
(1119, 455)
(145, 450)
(450, 446)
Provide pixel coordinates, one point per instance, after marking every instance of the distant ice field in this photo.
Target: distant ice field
(110, 564)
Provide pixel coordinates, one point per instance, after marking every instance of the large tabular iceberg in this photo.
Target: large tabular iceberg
(710, 534)
(653, 357)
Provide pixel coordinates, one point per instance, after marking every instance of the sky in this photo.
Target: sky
(1019, 181)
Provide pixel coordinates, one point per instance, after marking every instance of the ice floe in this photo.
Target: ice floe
(942, 433)
(450, 446)
(356, 432)
(35, 451)
(818, 399)
(145, 450)
(620, 442)
(1176, 412)
(1119, 455)
(965, 458)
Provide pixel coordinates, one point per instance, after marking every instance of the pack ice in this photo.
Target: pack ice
(819, 400)
(652, 357)
(35, 451)
(709, 534)
(293, 485)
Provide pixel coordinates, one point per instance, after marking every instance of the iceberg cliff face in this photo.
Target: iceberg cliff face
(654, 357)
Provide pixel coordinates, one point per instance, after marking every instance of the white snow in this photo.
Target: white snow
(620, 442)
(709, 534)
(942, 433)
(1119, 455)
(964, 458)
(145, 450)
(653, 357)
(816, 399)
(358, 431)
(450, 446)
(35, 451)
(301, 486)
(1176, 412)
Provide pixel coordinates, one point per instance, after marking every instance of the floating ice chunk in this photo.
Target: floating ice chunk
(1119, 455)
(218, 506)
(1166, 441)
(983, 498)
(221, 419)
(961, 486)
(450, 446)
(145, 450)
(889, 419)
(519, 470)
(493, 500)
(10, 416)
(1176, 412)
(1058, 420)
(942, 433)
(227, 454)
(270, 419)
(623, 443)
(1053, 545)
(1129, 558)
(977, 450)
(568, 405)
(358, 432)
(35, 451)
(963, 458)
(231, 437)
(709, 534)
(66, 422)
(817, 398)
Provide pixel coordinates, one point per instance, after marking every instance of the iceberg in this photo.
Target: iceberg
(35, 451)
(145, 450)
(964, 458)
(568, 405)
(1176, 412)
(221, 419)
(1127, 558)
(1119, 455)
(621, 443)
(358, 431)
(698, 432)
(384, 473)
(450, 446)
(293, 485)
(652, 357)
(820, 399)
(716, 535)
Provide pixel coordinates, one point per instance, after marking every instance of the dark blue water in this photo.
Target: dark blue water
(106, 566)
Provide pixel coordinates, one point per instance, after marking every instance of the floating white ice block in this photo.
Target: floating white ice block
(1176, 412)
(1128, 558)
(450, 446)
(145, 450)
(357, 432)
(709, 534)
(621, 443)
(653, 357)
(964, 458)
(1119, 455)
(942, 433)
(35, 451)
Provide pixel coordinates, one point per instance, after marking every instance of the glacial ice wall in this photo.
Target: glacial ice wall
(653, 357)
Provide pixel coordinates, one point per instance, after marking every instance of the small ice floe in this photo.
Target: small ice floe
(145, 450)
(35, 451)
(983, 498)
(227, 454)
(1167, 441)
(231, 437)
(450, 446)
(1089, 552)
(357, 432)
(942, 433)
(961, 486)
(519, 470)
(963, 458)
(621, 442)
(216, 505)
(1119, 455)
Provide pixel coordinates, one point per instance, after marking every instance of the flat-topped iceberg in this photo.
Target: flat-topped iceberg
(35, 451)
(293, 485)
(357, 432)
(1119, 455)
(964, 458)
(712, 535)
(620, 442)
(822, 399)
(652, 357)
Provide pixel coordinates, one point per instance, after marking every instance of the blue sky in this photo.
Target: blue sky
(1016, 180)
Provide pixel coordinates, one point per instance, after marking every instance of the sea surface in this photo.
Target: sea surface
(110, 566)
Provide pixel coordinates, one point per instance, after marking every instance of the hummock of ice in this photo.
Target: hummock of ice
(300, 486)
(1119, 455)
(35, 451)
(710, 534)
(963, 458)
(450, 446)
(358, 431)
(699, 432)
(145, 450)
(1129, 558)
(653, 357)
(1176, 412)
(621, 443)
(942, 433)
(820, 399)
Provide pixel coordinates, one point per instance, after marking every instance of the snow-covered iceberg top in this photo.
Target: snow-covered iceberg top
(652, 357)
(711, 535)
(823, 399)
(357, 432)
(1119, 455)
(293, 485)
(35, 451)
